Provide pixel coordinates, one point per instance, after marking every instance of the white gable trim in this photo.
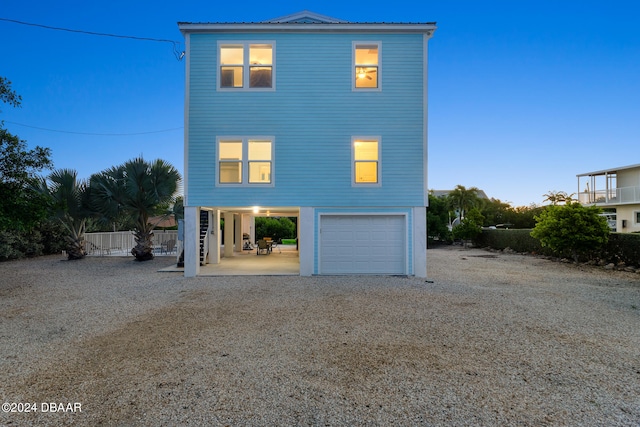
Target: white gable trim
(304, 17)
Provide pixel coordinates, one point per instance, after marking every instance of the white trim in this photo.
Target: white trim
(245, 160)
(611, 170)
(636, 216)
(353, 67)
(401, 28)
(304, 15)
(306, 243)
(425, 120)
(419, 242)
(246, 66)
(376, 138)
(187, 86)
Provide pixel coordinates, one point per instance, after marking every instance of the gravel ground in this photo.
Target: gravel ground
(489, 339)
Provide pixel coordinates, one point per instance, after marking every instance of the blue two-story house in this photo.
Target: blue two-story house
(311, 117)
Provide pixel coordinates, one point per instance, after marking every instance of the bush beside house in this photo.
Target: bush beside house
(621, 247)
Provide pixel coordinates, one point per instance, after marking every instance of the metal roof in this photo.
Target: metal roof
(305, 21)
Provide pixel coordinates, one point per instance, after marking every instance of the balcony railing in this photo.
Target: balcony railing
(615, 196)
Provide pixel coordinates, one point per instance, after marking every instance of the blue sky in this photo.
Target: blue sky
(523, 95)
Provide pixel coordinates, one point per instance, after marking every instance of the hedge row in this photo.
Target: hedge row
(622, 247)
(44, 240)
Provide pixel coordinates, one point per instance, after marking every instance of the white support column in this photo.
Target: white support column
(228, 234)
(238, 233)
(191, 241)
(306, 241)
(419, 241)
(214, 238)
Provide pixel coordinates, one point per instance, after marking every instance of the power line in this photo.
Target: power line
(95, 133)
(176, 44)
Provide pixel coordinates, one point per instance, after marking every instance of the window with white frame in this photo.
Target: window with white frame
(245, 161)
(366, 65)
(366, 160)
(636, 215)
(246, 65)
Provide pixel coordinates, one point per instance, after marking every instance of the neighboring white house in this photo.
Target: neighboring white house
(617, 190)
(312, 117)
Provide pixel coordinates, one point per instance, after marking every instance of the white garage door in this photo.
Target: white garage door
(362, 244)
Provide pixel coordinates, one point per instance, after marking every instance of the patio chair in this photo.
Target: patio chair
(168, 246)
(263, 246)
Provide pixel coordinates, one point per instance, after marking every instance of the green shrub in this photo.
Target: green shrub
(8, 248)
(20, 244)
(572, 228)
(622, 247)
(519, 240)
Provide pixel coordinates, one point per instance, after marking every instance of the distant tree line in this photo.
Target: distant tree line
(462, 206)
(47, 214)
(564, 226)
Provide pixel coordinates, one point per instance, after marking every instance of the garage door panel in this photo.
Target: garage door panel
(362, 244)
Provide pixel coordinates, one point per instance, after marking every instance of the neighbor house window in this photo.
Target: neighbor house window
(366, 65)
(366, 161)
(245, 161)
(637, 217)
(245, 65)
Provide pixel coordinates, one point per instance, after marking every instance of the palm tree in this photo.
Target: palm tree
(136, 189)
(68, 197)
(556, 197)
(463, 199)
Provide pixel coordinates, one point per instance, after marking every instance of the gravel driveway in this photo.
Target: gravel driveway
(489, 339)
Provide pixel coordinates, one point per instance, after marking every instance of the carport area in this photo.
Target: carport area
(282, 261)
(216, 238)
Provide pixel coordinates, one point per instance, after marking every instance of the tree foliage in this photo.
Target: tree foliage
(8, 95)
(558, 197)
(68, 200)
(462, 199)
(276, 228)
(572, 228)
(470, 227)
(21, 208)
(137, 189)
(438, 219)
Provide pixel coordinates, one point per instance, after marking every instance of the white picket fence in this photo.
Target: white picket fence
(165, 242)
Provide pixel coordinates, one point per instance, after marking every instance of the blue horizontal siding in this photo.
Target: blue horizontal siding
(313, 114)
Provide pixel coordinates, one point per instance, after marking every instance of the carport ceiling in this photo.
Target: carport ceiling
(262, 210)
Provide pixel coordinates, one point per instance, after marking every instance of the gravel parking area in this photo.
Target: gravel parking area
(489, 339)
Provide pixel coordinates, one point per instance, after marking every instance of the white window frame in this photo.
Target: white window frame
(245, 160)
(246, 66)
(353, 67)
(636, 216)
(377, 138)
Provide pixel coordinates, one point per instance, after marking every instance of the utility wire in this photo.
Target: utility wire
(176, 44)
(94, 133)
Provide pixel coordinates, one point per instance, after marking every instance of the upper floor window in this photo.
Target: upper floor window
(366, 160)
(366, 65)
(246, 65)
(245, 161)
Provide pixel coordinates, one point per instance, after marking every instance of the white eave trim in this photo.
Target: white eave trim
(425, 28)
(608, 171)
